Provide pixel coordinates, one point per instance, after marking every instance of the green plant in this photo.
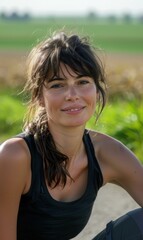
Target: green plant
(123, 120)
(11, 117)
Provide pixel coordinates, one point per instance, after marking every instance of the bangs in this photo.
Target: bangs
(69, 58)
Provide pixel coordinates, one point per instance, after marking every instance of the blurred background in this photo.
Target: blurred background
(116, 28)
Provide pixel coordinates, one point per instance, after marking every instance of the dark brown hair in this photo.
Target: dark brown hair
(43, 61)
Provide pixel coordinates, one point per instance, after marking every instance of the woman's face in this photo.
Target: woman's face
(69, 99)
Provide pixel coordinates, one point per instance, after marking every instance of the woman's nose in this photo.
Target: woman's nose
(72, 94)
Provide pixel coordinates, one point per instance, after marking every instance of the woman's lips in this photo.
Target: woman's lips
(75, 109)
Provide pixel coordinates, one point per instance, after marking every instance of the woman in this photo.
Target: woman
(51, 173)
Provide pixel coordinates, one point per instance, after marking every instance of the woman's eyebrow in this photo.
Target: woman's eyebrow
(62, 78)
(81, 76)
(56, 79)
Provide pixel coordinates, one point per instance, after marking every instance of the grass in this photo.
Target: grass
(113, 37)
(11, 117)
(123, 120)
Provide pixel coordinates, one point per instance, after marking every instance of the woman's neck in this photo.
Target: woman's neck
(68, 141)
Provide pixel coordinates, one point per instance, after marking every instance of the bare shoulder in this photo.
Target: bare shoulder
(13, 150)
(14, 158)
(115, 159)
(103, 142)
(105, 148)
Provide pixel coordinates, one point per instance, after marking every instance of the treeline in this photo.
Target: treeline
(126, 17)
(14, 16)
(93, 16)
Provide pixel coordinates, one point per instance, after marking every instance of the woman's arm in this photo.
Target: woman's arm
(120, 166)
(13, 175)
(127, 172)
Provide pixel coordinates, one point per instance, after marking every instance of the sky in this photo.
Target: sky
(72, 7)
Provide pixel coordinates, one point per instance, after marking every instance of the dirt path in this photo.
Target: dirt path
(112, 202)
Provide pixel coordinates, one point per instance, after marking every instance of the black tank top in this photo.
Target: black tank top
(41, 217)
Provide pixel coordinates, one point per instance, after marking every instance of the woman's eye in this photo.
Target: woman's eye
(56, 85)
(82, 82)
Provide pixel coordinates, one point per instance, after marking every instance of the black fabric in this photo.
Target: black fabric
(137, 216)
(127, 227)
(109, 228)
(41, 217)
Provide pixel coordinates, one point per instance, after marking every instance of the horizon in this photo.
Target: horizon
(70, 8)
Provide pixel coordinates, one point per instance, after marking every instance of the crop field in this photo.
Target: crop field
(110, 36)
(122, 58)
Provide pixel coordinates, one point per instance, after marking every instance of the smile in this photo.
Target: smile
(73, 110)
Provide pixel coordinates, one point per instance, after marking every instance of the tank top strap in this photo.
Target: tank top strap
(36, 167)
(92, 157)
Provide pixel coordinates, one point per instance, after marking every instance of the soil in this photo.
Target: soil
(111, 202)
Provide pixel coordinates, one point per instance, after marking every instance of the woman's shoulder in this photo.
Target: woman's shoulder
(109, 152)
(107, 147)
(114, 158)
(15, 148)
(100, 139)
(14, 155)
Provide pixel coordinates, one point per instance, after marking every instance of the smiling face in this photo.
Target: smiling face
(69, 99)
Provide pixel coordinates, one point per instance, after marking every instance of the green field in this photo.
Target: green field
(109, 36)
